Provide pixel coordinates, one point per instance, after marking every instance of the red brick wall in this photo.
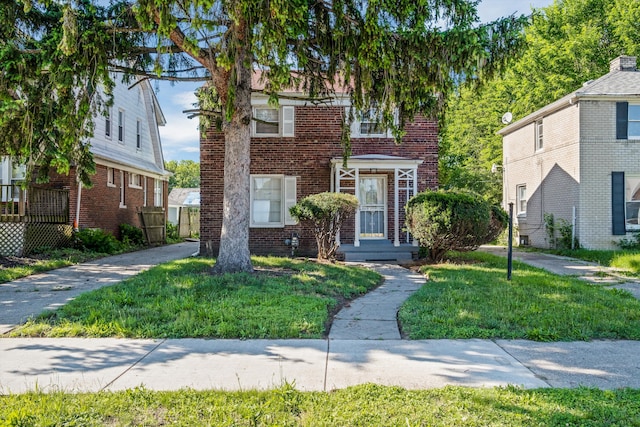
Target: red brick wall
(100, 204)
(307, 156)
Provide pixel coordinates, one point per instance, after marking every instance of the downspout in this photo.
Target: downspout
(76, 221)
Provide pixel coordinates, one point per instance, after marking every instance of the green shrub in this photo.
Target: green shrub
(453, 220)
(631, 243)
(131, 235)
(97, 240)
(326, 211)
(172, 233)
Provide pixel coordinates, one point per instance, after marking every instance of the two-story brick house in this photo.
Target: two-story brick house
(296, 151)
(130, 170)
(578, 159)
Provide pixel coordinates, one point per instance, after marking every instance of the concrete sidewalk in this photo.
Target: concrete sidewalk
(363, 346)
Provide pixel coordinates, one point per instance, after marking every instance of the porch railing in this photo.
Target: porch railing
(39, 205)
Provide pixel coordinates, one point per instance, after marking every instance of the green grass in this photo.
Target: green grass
(365, 405)
(52, 259)
(471, 298)
(628, 261)
(286, 299)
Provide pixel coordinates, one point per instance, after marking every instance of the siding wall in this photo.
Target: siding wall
(551, 175)
(306, 156)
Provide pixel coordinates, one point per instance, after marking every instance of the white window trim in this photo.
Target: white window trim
(629, 121)
(121, 126)
(157, 193)
(287, 199)
(138, 134)
(108, 124)
(519, 200)
(627, 200)
(357, 122)
(132, 183)
(286, 122)
(123, 203)
(539, 134)
(111, 177)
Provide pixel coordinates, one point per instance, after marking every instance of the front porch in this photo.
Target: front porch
(383, 184)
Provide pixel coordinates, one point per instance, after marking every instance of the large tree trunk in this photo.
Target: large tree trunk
(234, 255)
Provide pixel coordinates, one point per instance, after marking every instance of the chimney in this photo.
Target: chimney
(623, 63)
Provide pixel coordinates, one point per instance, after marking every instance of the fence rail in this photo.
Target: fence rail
(35, 205)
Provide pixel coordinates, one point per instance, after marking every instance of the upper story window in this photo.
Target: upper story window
(271, 198)
(539, 135)
(107, 124)
(120, 126)
(269, 121)
(368, 124)
(138, 134)
(521, 199)
(627, 120)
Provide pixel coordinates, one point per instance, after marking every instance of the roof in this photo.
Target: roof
(621, 82)
(189, 197)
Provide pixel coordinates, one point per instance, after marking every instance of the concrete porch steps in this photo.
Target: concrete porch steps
(378, 250)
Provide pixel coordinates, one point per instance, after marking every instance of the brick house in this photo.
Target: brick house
(130, 170)
(578, 159)
(296, 151)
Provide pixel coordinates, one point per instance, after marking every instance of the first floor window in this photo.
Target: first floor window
(135, 180)
(111, 177)
(521, 199)
(122, 190)
(632, 201)
(271, 198)
(157, 192)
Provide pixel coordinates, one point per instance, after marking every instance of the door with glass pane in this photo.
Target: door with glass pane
(372, 195)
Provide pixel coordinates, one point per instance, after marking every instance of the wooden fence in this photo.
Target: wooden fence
(37, 205)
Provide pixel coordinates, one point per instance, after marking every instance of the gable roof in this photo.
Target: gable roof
(620, 83)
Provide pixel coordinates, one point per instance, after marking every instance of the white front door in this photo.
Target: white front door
(372, 195)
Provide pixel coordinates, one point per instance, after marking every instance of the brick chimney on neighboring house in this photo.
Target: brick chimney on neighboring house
(623, 63)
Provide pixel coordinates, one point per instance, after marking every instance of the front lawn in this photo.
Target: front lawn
(628, 261)
(469, 297)
(364, 405)
(284, 299)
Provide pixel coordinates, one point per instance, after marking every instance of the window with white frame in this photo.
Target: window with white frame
(135, 180)
(122, 191)
(632, 201)
(627, 120)
(521, 199)
(107, 124)
(269, 121)
(120, 125)
(157, 192)
(271, 198)
(111, 177)
(144, 191)
(138, 134)
(539, 135)
(370, 123)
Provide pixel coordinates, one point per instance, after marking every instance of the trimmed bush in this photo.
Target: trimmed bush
(451, 220)
(326, 211)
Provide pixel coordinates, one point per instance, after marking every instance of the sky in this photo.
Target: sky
(180, 138)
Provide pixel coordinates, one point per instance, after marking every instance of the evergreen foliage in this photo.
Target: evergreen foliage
(326, 212)
(447, 220)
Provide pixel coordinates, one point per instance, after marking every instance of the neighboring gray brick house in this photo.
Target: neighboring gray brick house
(578, 154)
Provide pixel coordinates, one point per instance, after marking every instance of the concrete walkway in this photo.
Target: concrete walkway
(363, 346)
